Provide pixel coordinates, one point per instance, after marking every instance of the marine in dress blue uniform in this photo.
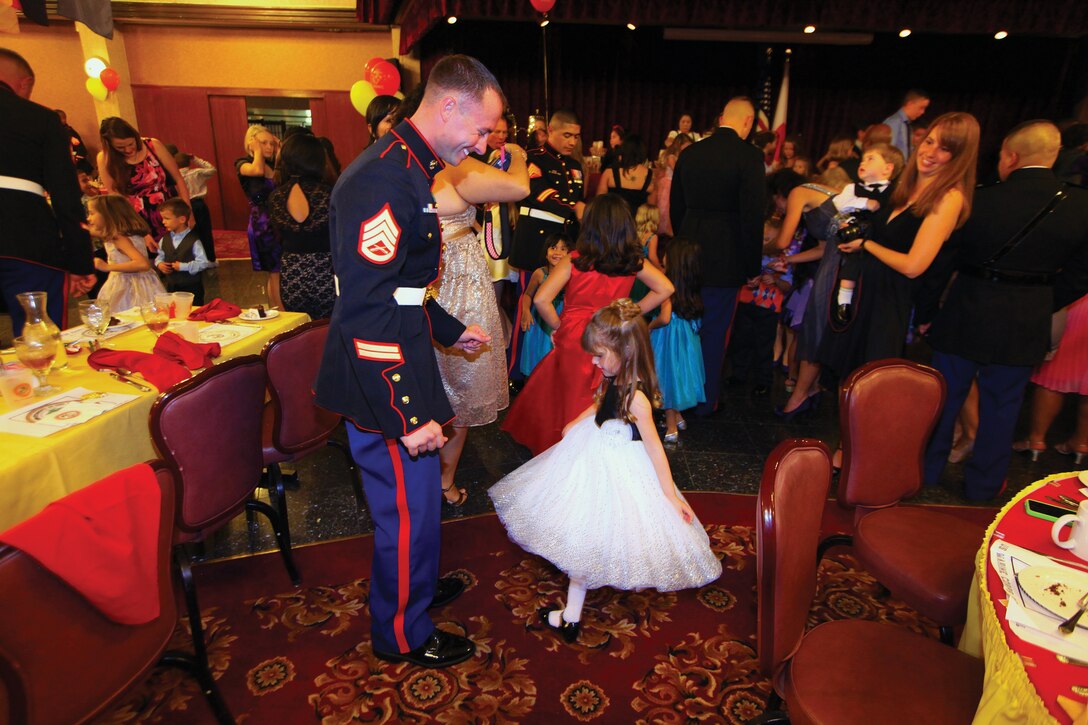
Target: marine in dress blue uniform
(379, 368)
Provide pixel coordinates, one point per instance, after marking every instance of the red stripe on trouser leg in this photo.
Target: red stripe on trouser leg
(523, 282)
(732, 321)
(404, 539)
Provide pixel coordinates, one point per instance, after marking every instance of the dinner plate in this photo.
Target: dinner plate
(1055, 589)
(251, 314)
(1083, 476)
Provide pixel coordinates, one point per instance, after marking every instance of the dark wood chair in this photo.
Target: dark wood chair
(63, 661)
(208, 432)
(293, 426)
(845, 671)
(888, 410)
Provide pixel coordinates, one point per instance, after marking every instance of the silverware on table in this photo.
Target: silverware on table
(130, 381)
(1070, 661)
(1080, 690)
(237, 322)
(1070, 625)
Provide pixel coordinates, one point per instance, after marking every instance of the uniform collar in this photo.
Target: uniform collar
(419, 149)
(5, 87)
(549, 149)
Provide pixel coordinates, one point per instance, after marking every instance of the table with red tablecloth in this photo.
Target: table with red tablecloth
(1023, 680)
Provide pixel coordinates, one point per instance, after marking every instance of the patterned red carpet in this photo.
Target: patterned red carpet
(283, 655)
(231, 245)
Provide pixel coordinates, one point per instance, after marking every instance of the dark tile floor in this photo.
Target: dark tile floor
(724, 453)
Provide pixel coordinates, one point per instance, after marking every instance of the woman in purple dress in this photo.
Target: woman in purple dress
(255, 174)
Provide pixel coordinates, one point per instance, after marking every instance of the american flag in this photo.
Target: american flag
(763, 117)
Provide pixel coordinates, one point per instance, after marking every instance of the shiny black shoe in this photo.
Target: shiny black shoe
(760, 391)
(448, 589)
(804, 407)
(567, 630)
(441, 649)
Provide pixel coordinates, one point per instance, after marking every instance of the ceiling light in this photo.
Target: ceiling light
(93, 66)
(810, 29)
(544, 23)
(451, 19)
(1001, 35)
(630, 26)
(904, 32)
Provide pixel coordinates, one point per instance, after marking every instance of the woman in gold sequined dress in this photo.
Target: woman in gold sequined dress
(475, 383)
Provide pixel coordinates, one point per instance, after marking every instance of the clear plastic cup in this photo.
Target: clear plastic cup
(183, 305)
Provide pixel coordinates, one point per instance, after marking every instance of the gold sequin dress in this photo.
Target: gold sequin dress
(475, 383)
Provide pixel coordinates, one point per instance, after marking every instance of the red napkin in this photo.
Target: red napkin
(193, 355)
(217, 309)
(159, 371)
(103, 541)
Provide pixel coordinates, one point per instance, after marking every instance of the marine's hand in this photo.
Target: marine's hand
(427, 438)
(80, 283)
(526, 322)
(472, 339)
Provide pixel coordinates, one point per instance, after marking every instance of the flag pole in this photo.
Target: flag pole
(779, 125)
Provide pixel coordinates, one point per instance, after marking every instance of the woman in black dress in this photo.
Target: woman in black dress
(299, 210)
(933, 198)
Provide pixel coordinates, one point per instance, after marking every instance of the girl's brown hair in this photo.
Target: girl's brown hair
(608, 243)
(620, 329)
(958, 133)
(118, 128)
(119, 219)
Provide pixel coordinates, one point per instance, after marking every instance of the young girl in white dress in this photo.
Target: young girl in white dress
(601, 504)
(132, 281)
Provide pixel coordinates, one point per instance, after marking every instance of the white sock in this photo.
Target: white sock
(576, 599)
(846, 294)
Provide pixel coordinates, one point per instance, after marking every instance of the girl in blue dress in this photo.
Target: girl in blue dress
(538, 336)
(674, 336)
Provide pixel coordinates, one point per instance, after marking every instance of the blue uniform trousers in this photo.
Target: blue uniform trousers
(403, 494)
(719, 304)
(1001, 391)
(18, 276)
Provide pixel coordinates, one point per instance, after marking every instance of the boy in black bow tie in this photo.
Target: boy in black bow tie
(855, 204)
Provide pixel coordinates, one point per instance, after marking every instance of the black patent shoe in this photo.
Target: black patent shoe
(567, 630)
(441, 649)
(447, 589)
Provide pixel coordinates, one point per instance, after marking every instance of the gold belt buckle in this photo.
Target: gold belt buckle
(430, 294)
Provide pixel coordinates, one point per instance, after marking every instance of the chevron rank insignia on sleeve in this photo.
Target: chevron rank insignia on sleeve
(378, 237)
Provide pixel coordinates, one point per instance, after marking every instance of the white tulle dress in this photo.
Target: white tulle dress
(592, 505)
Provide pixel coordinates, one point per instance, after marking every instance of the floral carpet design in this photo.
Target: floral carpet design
(284, 655)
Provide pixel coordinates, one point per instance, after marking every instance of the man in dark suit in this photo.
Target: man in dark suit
(39, 243)
(996, 321)
(717, 200)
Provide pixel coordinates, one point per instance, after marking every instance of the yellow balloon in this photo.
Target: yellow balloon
(362, 93)
(97, 89)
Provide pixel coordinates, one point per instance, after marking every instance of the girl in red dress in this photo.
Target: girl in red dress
(607, 261)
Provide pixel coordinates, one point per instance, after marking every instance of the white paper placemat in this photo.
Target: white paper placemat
(46, 416)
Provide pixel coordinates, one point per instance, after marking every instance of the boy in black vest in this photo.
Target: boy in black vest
(181, 258)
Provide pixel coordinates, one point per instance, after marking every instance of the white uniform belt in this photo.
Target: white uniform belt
(409, 295)
(16, 184)
(541, 214)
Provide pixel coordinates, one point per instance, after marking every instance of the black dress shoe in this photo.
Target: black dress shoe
(567, 630)
(448, 589)
(760, 391)
(441, 649)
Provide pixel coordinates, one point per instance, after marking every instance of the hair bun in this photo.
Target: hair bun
(627, 308)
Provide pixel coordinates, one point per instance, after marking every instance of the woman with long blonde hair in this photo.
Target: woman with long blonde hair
(932, 199)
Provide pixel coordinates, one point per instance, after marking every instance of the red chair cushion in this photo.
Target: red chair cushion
(858, 671)
(925, 558)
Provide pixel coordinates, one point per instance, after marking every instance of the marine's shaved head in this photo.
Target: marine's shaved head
(739, 114)
(1032, 143)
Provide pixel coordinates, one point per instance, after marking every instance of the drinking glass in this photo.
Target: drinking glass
(95, 315)
(36, 351)
(156, 314)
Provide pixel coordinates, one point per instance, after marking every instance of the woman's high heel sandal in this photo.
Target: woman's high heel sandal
(462, 496)
(1033, 448)
(567, 630)
(1078, 452)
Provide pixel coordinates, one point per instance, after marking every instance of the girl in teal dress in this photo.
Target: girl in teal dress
(538, 336)
(674, 336)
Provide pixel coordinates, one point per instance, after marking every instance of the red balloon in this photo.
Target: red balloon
(110, 78)
(370, 65)
(385, 78)
(543, 6)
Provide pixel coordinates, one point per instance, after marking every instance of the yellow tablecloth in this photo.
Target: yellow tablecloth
(1007, 694)
(37, 471)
